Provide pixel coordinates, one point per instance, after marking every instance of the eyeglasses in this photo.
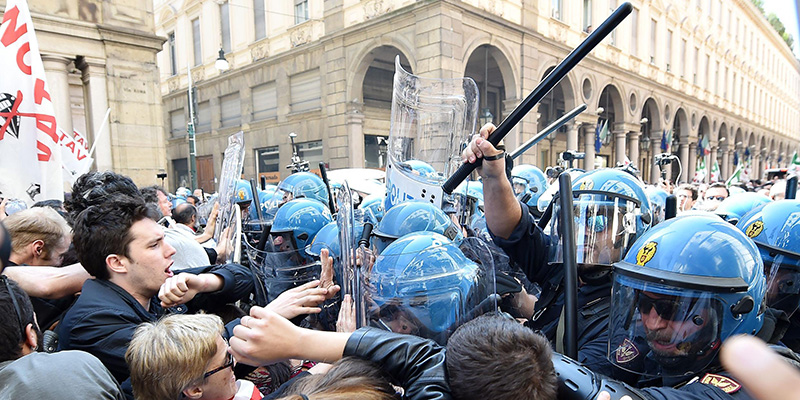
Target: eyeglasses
(228, 363)
(14, 302)
(665, 308)
(717, 198)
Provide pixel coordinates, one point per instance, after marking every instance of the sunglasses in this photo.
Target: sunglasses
(717, 198)
(665, 308)
(228, 364)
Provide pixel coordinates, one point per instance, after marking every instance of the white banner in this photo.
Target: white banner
(74, 155)
(30, 158)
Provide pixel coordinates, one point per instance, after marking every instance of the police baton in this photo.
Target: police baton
(671, 207)
(545, 86)
(324, 173)
(546, 131)
(570, 266)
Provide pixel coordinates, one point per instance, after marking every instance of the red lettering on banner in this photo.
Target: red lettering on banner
(47, 124)
(45, 151)
(12, 33)
(80, 156)
(61, 138)
(71, 146)
(24, 49)
(39, 92)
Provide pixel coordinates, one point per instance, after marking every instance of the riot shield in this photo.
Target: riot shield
(279, 270)
(431, 120)
(425, 285)
(231, 171)
(348, 243)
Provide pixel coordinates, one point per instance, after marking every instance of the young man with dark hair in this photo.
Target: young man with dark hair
(126, 252)
(687, 195)
(492, 357)
(714, 195)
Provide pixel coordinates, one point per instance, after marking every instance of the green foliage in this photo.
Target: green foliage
(776, 24)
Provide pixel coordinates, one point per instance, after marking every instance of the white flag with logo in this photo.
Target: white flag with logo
(74, 156)
(30, 158)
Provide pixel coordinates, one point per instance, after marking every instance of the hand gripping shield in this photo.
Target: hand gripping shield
(431, 120)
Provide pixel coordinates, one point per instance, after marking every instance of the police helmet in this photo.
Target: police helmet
(242, 193)
(372, 206)
(529, 183)
(775, 229)
(737, 205)
(297, 222)
(303, 185)
(658, 202)
(684, 287)
(413, 216)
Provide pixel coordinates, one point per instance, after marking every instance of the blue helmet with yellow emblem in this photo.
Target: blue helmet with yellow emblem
(242, 193)
(737, 205)
(683, 288)
(775, 229)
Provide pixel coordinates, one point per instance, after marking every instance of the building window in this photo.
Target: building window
(669, 49)
(230, 110)
(305, 91)
(725, 85)
(180, 168)
(695, 64)
(311, 152)
(204, 116)
(716, 80)
(265, 101)
(708, 72)
(268, 163)
(260, 19)
(173, 58)
(555, 9)
(635, 32)
(587, 16)
(198, 52)
(300, 11)
(177, 123)
(653, 31)
(683, 58)
(375, 151)
(225, 26)
(612, 4)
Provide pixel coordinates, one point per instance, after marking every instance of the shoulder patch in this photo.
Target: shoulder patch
(754, 229)
(646, 253)
(626, 352)
(727, 385)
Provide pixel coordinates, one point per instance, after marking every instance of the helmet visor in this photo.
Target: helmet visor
(659, 330)
(280, 270)
(783, 282)
(605, 227)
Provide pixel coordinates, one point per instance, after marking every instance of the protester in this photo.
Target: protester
(40, 236)
(687, 195)
(714, 195)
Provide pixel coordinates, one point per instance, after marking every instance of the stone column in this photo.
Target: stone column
(55, 69)
(619, 145)
(683, 151)
(712, 160)
(572, 136)
(94, 81)
(354, 120)
(633, 148)
(692, 161)
(655, 148)
(588, 134)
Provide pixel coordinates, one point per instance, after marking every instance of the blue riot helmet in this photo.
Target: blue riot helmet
(296, 224)
(658, 202)
(683, 288)
(264, 197)
(303, 184)
(413, 216)
(529, 183)
(737, 205)
(373, 208)
(423, 284)
(328, 238)
(611, 211)
(550, 191)
(176, 201)
(242, 193)
(421, 168)
(468, 201)
(775, 229)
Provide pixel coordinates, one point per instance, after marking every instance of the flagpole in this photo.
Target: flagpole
(99, 132)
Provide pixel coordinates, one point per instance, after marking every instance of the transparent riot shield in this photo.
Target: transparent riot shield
(348, 243)
(431, 120)
(231, 171)
(280, 270)
(425, 285)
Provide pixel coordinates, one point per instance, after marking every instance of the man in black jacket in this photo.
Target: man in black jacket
(125, 250)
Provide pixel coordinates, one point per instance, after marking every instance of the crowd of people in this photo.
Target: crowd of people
(122, 292)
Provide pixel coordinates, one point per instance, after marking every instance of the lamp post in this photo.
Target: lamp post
(644, 145)
(222, 65)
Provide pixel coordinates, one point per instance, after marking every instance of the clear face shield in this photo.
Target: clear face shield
(605, 228)
(660, 330)
(431, 119)
(231, 170)
(281, 265)
(783, 282)
(432, 292)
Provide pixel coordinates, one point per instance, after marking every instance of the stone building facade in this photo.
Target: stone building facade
(323, 69)
(99, 55)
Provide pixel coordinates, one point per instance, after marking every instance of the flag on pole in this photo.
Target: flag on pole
(715, 172)
(706, 147)
(597, 143)
(736, 177)
(604, 132)
(74, 156)
(735, 158)
(700, 171)
(30, 158)
(664, 141)
(794, 166)
(669, 140)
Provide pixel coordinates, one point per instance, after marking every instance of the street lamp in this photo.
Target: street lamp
(221, 63)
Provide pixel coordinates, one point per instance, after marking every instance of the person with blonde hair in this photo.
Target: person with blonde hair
(184, 356)
(40, 236)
